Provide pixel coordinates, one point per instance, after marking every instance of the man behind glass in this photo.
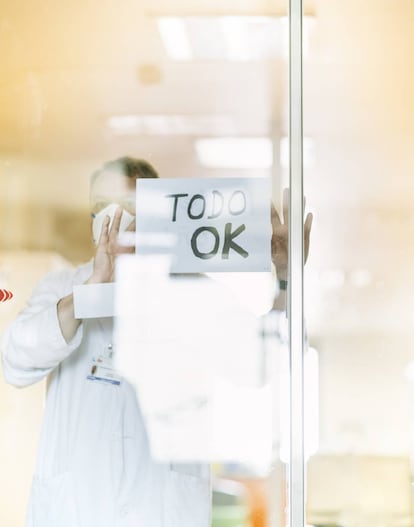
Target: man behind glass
(94, 465)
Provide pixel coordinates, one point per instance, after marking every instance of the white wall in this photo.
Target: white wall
(20, 409)
(364, 395)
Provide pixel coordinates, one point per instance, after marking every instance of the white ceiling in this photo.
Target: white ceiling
(68, 66)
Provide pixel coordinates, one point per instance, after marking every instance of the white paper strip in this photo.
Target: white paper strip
(94, 300)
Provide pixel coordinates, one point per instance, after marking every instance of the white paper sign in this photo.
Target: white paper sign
(214, 224)
(94, 300)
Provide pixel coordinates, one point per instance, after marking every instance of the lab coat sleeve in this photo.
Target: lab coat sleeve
(33, 345)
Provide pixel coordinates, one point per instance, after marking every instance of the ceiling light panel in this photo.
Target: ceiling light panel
(235, 152)
(233, 38)
(175, 37)
(192, 125)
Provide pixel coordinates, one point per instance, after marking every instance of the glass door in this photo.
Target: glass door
(94, 96)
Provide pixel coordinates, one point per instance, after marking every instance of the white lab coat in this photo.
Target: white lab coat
(94, 467)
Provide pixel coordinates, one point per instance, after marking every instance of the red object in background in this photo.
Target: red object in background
(5, 295)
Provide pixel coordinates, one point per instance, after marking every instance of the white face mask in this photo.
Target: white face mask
(99, 218)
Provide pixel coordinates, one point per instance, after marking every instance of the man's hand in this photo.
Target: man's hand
(108, 248)
(280, 238)
(103, 271)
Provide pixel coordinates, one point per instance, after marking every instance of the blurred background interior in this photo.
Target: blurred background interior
(200, 89)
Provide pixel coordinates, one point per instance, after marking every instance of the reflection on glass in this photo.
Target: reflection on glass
(206, 402)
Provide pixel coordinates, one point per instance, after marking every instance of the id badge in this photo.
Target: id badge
(101, 368)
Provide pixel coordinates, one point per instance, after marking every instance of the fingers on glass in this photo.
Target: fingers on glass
(308, 223)
(116, 223)
(131, 227)
(103, 238)
(275, 217)
(285, 206)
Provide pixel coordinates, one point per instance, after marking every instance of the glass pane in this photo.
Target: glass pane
(358, 181)
(199, 92)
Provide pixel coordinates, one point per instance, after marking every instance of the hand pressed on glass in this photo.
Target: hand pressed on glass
(280, 237)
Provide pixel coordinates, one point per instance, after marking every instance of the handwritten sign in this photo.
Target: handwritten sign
(215, 224)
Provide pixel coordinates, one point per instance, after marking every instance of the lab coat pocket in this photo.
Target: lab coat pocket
(52, 502)
(188, 498)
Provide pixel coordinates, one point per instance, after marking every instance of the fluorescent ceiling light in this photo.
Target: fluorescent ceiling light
(171, 124)
(235, 152)
(233, 38)
(173, 32)
(251, 38)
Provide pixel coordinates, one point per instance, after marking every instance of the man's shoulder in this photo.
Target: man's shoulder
(67, 276)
